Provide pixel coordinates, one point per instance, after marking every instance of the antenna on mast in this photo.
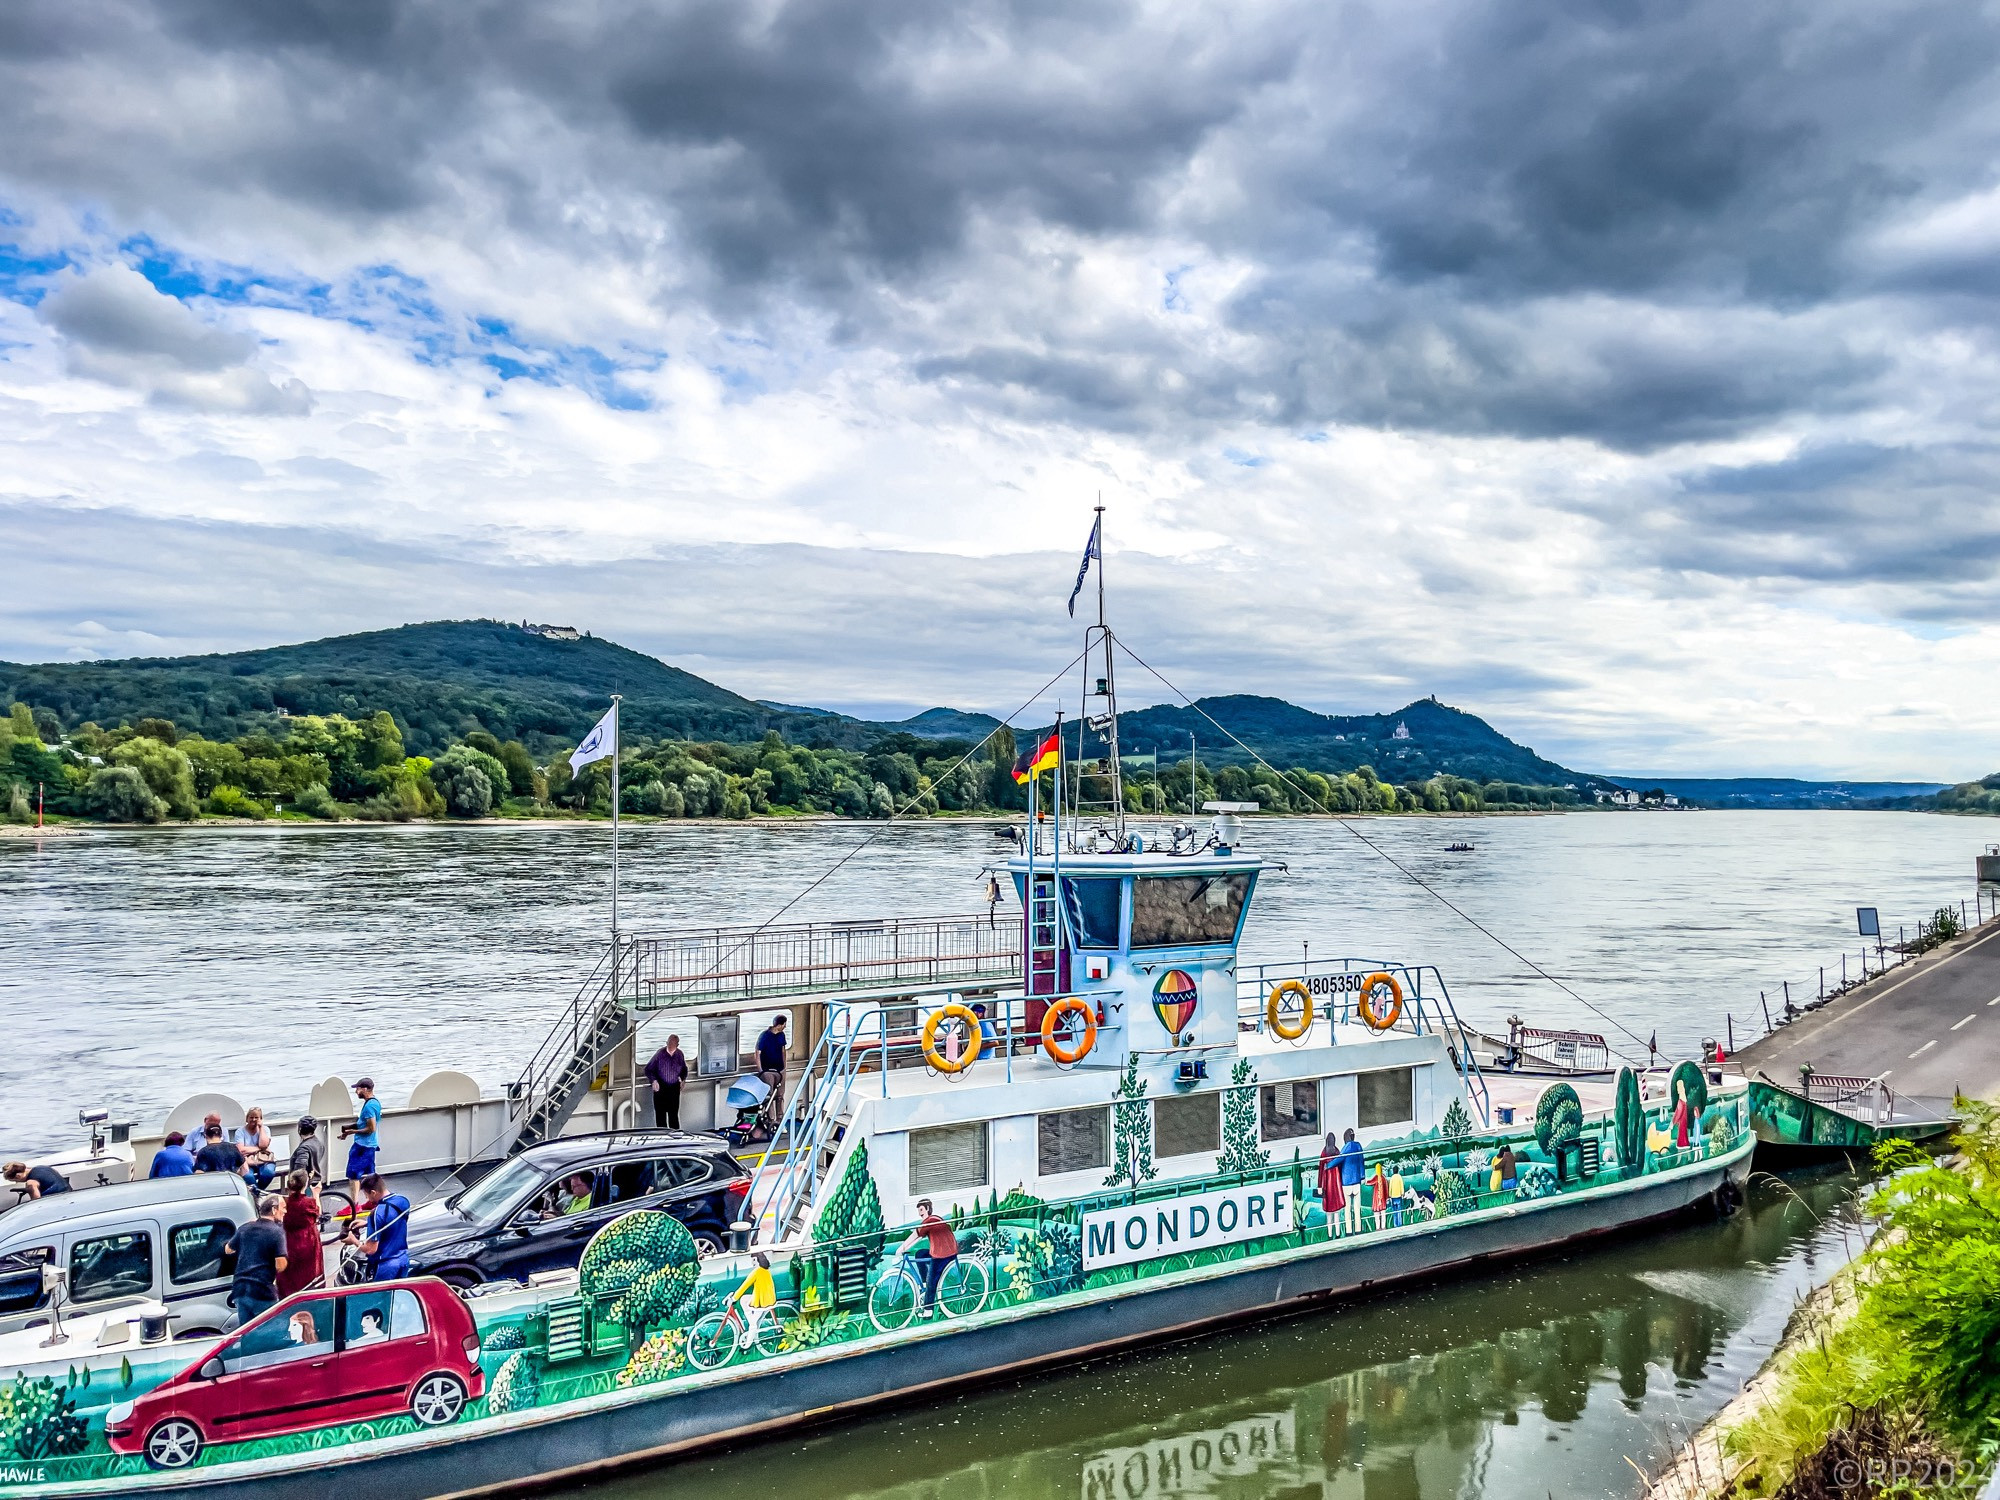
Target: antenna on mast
(1105, 797)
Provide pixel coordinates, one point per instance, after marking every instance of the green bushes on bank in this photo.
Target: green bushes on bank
(1917, 1362)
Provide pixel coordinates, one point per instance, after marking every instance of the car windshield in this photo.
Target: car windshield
(489, 1197)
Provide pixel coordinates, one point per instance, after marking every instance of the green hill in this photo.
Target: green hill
(447, 678)
(441, 680)
(1414, 743)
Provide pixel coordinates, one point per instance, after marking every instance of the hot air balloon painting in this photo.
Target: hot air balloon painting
(1175, 997)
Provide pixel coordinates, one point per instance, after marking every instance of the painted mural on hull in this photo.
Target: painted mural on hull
(643, 1313)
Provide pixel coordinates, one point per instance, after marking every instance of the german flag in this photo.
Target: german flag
(1034, 762)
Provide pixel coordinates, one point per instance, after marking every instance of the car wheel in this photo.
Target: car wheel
(173, 1444)
(438, 1399)
(707, 1243)
(459, 1279)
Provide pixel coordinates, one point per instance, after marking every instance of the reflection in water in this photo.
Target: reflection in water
(1527, 1382)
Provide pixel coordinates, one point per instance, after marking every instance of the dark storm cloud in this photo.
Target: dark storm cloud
(1847, 513)
(1634, 222)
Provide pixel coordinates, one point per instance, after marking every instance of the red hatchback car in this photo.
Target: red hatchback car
(348, 1354)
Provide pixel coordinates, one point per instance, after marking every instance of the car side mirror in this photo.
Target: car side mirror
(527, 1218)
(211, 1369)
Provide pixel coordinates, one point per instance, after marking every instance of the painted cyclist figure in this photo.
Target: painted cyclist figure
(943, 1251)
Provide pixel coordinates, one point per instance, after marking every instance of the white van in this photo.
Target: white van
(159, 1240)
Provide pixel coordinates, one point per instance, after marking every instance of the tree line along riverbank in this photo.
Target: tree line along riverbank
(1887, 1382)
(333, 767)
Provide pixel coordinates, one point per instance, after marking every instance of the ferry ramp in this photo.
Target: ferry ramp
(1929, 1028)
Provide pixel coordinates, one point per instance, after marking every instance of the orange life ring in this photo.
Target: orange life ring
(952, 1012)
(1056, 1050)
(1274, 1006)
(1364, 1003)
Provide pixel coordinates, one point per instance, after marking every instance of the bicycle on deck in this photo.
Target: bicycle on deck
(899, 1295)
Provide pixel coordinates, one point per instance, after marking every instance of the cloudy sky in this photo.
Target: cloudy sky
(1625, 373)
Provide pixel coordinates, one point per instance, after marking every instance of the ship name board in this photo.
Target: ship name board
(1174, 1226)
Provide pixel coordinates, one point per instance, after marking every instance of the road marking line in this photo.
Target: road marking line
(1922, 1050)
(1968, 1020)
(1994, 1001)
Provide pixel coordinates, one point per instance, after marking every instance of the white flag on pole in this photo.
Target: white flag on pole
(600, 742)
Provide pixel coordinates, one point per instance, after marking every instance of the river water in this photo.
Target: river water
(1553, 1378)
(138, 967)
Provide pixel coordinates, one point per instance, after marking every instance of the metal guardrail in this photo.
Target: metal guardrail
(761, 963)
(1335, 985)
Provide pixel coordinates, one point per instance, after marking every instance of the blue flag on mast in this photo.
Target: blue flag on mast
(1091, 549)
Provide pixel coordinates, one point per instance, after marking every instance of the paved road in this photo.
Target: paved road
(1929, 1027)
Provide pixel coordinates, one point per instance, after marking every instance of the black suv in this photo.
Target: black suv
(537, 1211)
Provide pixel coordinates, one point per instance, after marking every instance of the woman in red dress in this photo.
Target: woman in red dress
(1332, 1200)
(1681, 1121)
(305, 1258)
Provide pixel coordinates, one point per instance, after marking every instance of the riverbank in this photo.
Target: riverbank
(1887, 1379)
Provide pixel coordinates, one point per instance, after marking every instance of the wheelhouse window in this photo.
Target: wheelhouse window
(119, 1265)
(1188, 1125)
(1093, 911)
(1289, 1111)
(1387, 1097)
(1171, 911)
(1073, 1140)
(948, 1158)
(194, 1253)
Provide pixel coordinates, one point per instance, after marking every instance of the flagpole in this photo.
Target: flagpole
(617, 751)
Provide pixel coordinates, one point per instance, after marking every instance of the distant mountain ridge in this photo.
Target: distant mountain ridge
(444, 678)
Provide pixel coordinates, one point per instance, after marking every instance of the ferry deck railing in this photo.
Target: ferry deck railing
(1335, 985)
(741, 964)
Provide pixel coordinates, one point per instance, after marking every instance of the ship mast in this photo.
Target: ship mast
(1105, 797)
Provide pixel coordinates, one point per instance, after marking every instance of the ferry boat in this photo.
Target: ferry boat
(1122, 1123)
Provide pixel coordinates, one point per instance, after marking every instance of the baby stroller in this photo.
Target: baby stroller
(746, 1096)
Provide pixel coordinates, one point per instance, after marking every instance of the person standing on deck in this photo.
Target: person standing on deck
(1352, 1171)
(1681, 1115)
(259, 1248)
(305, 1258)
(666, 1071)
(386, 1239)
(1331, 1199)
(361, 1150)
(771, 1048)
(309, 1155)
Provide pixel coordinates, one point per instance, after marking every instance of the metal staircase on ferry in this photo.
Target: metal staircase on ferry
(564, 1068)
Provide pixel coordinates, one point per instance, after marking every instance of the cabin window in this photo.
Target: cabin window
(21, 1279)
(195, 1251)
(1171, 911)
(1385, 1098)
(1074, 1140)
(119, 1265)
(948, 1158)
(1188, 1125)
(1093, 911)
(1289, 1111)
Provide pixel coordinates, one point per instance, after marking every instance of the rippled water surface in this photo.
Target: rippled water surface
(1554, 1378)
(139, 967)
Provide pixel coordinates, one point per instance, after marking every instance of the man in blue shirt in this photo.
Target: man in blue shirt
(361, 1151)
(173, 1159)
(386, 1239)
(1352, 1172)
(771, 1068)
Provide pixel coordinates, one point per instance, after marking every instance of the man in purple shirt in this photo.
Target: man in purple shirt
(667, 1069)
